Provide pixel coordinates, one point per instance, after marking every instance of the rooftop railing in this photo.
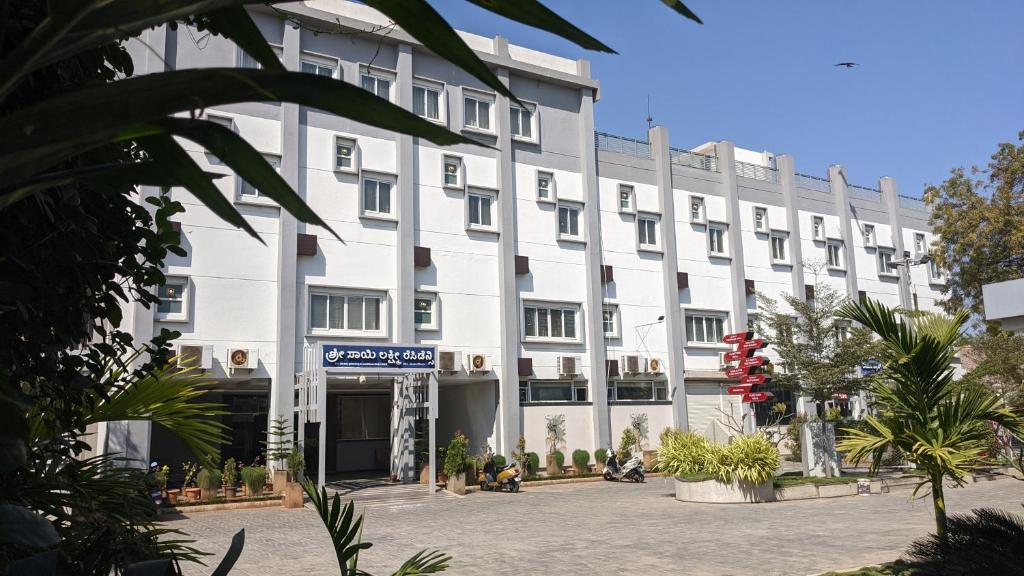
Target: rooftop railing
(622, 145)
(756, 171)
(816, 183)
(693, 159)
(869, 194)
(913, 203)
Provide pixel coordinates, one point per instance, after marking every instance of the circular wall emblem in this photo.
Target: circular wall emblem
(655, 365)
(239, 358)
(478, 362)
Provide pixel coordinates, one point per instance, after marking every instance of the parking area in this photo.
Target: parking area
(597, 528)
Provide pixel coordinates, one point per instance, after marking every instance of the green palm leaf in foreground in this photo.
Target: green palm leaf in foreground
(942, 426)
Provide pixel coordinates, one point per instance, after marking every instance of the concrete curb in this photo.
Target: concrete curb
(222, 506)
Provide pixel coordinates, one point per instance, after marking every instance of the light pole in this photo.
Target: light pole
(904, 265)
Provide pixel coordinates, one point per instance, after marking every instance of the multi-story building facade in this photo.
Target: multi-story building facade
(595, 275)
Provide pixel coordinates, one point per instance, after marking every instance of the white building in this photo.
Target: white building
(552, 254)
(1004, 304)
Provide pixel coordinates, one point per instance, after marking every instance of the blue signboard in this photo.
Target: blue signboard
(869, 367)
(355, 357)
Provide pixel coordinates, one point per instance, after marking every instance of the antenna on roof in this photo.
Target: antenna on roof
(650, 120)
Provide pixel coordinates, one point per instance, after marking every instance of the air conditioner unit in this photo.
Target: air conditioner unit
(448, 362)
(195, 356)
(722, 364)
(567, 365)
(477, 363)
(243, 359)
(654, 366)
(630, 364)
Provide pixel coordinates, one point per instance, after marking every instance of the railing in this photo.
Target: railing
(913, 203)
(869, 194)
(756, 172)
(628, 146)
(808, 182)
(693, 159)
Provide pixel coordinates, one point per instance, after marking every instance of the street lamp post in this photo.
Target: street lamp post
(904, 265)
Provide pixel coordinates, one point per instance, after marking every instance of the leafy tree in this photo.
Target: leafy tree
(978, 218)
(940, 425)
(998, 355)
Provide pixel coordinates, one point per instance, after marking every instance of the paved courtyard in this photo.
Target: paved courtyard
(597, 528)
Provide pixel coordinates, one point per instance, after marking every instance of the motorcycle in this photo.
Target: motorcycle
(632, 469)
(506, 478)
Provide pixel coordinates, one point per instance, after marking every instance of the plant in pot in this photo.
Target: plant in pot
(532, 464)
(189, 486)
(456, 460)
(293, 489)
(279, 447)
(600, 456)
(254, 478)
(626, 445)
(230, 477)
(638, 423)
(580, 461)
(209, 482)
(442, 476)
(555, 426)
(160, 479)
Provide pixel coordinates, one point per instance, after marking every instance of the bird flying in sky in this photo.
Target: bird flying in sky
(848, 64)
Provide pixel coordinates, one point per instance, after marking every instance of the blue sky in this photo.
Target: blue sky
(940, 82)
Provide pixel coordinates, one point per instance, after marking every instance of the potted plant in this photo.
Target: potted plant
(638, 423)
(580, 461)
(556, 463)
(600, 456)
(254, 478)
(230, 476)
(456, 460)
(278, 450)
(442, 476)
(209, 482)
(189, 486)
(160, 479)
(555, 425)
(293, 489)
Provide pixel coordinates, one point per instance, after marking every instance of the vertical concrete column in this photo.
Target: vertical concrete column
(598, 375)
(890, 197)
(837, 182)
(727, 166)
(508, 296)
(787, 181)
(282, 383)
(675, 372)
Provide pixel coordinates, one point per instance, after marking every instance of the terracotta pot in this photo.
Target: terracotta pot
(280, 481)
(172, 496)
(553, 469)
(207, 494)
(192, 493)
(293, 495)
(229, 491)
(425, 474)
(442, 478)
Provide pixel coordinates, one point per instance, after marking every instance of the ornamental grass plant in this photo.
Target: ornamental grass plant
(748, 458)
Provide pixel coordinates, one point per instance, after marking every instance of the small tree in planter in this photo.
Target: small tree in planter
(456, 459)
(556, 437)
(279, 446)
(600, 456)
(209, 482)
(580, 461)
(230, 477)
(293, 489)
(626, 445)
(532, 464)
(189, 469)
(254, 478)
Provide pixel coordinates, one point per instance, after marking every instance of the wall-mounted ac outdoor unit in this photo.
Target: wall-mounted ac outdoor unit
(243, 359)
(448, 362)
(567, 365)
(722, 364)
(631, 365)
(654, 366)
(477, 363)
(195, 356)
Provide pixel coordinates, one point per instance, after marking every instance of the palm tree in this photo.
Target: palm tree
(941, 425)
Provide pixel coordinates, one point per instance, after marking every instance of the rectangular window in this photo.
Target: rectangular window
(376, 197)
(521, 123)
(550, 322)
(818, 228)
(245, 60)
(344, 154)
(647, 231)
(426, 102)
(477, 113)
(934, 272)
(716, 240)
(249, 192)
(702, 328)
(480, 210)
(173, 299)
(627, 203)
(697, 215)
(760, 219)
(778, 248)
(336, 312)
(545, 186)
(869, 235)
(319, 68)
(378, 85)
(633, 391)
(610, 321)
(919, 245)
(842, 330)
(452, 172)
(553, 391)
(834, 252)
(569, 221)
(425, 311)
(885, 264)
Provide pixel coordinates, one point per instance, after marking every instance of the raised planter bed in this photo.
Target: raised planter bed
(237, 504)
(718, 492)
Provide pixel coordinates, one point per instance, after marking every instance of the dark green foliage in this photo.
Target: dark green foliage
(559, 457)
(254, 478)
(532, 464)
(600, 455)
(986, 541)
(209, 479)
(499, 460)
(580, 460)
(457, 458)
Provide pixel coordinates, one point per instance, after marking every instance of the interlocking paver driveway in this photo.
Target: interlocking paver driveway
(598, 528)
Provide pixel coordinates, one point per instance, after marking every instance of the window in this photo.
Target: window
(697, 210)
(247, 191)
(778, 242)
(569, 222)
(885, 264)
(934, 272)
(818, 228)
(627, 199)
(716, 240)
(550, 322)
(553, 391)
(342, 312)
(245, 60)
(310, 66)
(834, 252)
(379, 85)
(610, 321)
(705, 328)
(425, 311)
(225, 121)
(452, 172)
(842, 330)
(647, 230)
(476, 113)
(173, 296)
(377, 197)
(869, 235)
(521, 124)
(545, 186)
(480, 206)
(919, 245)
(760, 219)
(344, 154)
(638, 390)
(426, 102)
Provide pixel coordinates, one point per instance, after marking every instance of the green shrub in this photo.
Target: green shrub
(750, 458)
(793, 436)
(559, 457)
(600, 455)
(457, 458)
(499, 460)
(532, 464)
(833, 414)
(986, 541)
(209, 479)
(626, 445)
(296, 461)
(255, 478)
(580, 460)
(668, 431)
(230, 473)
(685, 454)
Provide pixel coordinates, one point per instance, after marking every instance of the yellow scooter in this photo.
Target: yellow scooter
(506, 478)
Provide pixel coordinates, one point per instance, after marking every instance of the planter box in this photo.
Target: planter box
(457, 484)
(553, 469)
(720, 492)
(280, 481)
(293, 495)
(798, 492)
